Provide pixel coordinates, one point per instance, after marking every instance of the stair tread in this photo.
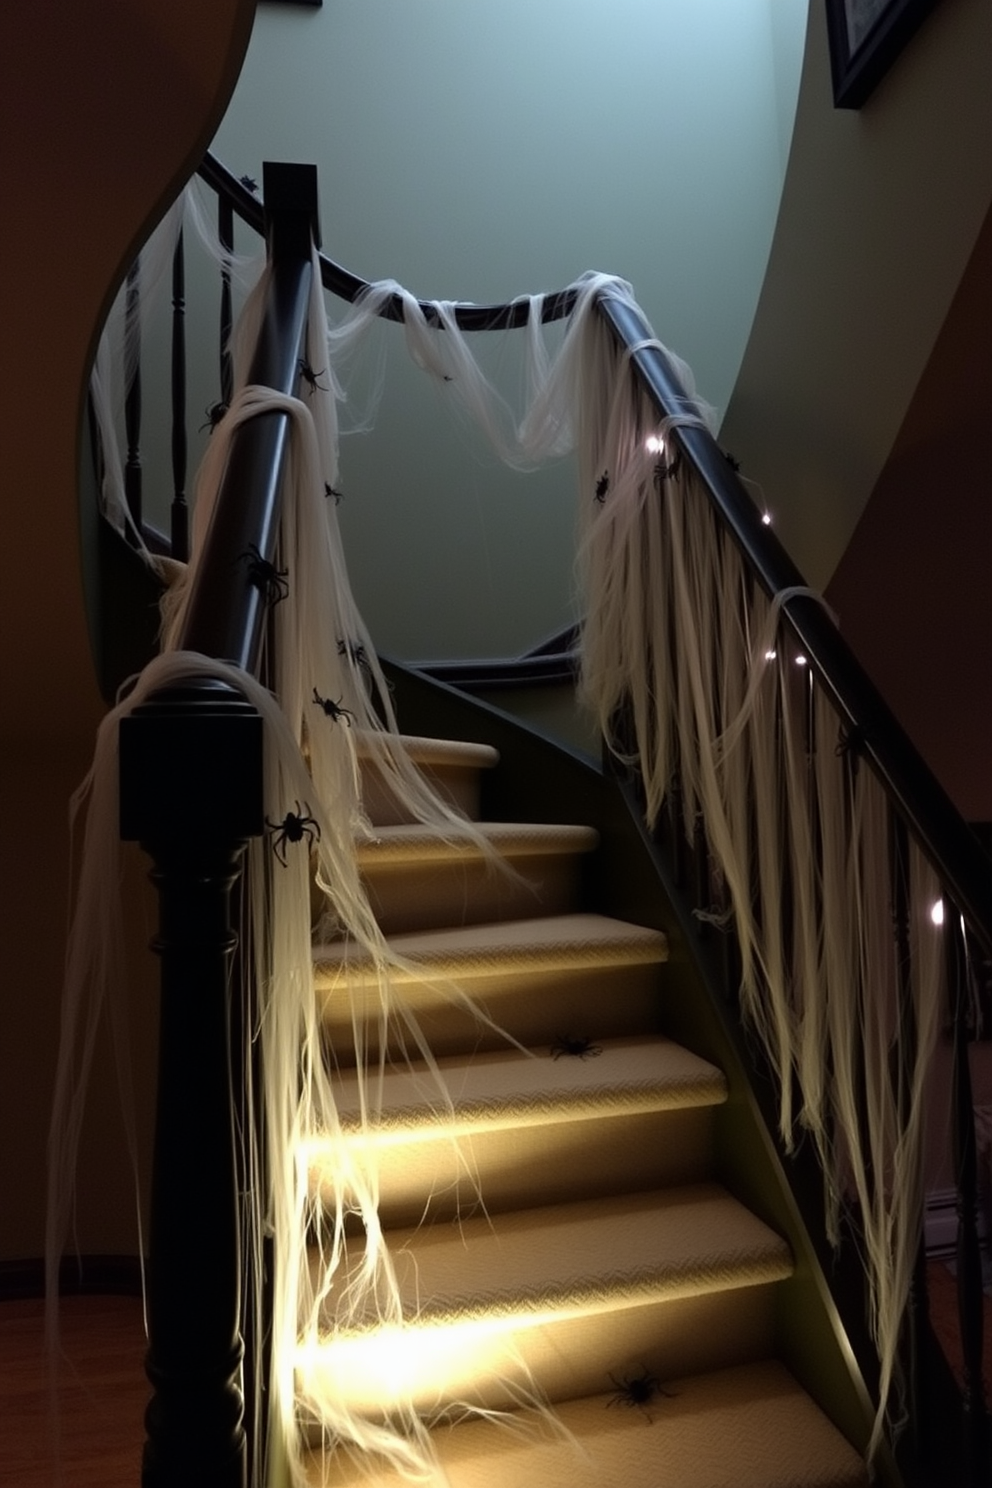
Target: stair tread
(747, 1427)
(565, 942)
(428, 751)
(511, 1088)
(414, 842)
(587, 1256)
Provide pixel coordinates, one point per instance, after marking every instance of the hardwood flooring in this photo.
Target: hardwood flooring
(103, 1391)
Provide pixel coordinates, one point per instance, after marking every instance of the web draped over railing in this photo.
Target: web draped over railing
(820, 840)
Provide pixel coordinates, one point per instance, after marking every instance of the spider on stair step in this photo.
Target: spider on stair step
(568, 1045)
(637, 1390)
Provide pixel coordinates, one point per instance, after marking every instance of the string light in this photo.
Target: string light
(937, 912)
(654, 444)
(766, 518)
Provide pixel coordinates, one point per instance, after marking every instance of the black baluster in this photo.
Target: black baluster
(969, 1261)
(132, 400)
(903, 1061)
(225, 231)
(180, 509)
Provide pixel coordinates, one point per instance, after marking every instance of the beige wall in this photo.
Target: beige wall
(913, 590)
(880, 211)
(106, 109)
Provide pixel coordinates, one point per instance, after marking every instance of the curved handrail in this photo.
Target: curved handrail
(919, 797)
(348, 286)
(934, 820)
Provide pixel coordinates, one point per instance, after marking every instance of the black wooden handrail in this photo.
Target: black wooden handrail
(226, 613)
(934, 821)
(347, 286)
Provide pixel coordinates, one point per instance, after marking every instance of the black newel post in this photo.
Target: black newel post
(191, 793)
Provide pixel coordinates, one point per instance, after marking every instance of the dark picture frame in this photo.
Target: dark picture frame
(866, 36)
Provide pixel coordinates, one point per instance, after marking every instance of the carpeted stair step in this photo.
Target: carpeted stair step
(451, 766)
(417, 880)
(539, 979)
(525, 1128)
(747, 1427)
(675, 1280)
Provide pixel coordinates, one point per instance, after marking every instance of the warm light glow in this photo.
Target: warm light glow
(371, 1372)
(654, 444)
(801, 660)
(770, 655)
(937, 912)
(767, 519)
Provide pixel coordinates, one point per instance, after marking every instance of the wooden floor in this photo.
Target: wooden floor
(103, 1391)
(102, 1395)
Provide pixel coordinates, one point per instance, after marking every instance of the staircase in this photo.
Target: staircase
(560, 1230)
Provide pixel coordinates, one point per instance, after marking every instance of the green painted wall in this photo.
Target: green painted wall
(478, 151)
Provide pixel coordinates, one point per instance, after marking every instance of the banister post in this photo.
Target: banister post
(191, 794)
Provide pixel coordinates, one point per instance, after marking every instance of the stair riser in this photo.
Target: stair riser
(459, 787)
(534, 1008)
(560, 1358)
(407, 896)
(441, 1179)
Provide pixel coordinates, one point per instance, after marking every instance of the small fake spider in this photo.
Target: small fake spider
(296, 826)
(574, 1048)
(636, 1390)
(602, 487)
(310, 376)
(214, 413)
(732, 461)
(329, 492)
(355, 652)
(333, 709)
(249, 183)
(270, 581)
(668, 469)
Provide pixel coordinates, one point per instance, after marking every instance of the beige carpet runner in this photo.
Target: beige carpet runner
(555, 1225)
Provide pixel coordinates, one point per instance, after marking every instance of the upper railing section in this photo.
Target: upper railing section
(869, 724)
(227, 610)
(871, 727)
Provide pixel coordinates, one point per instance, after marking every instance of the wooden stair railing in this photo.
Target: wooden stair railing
(191, 794)
(225, 621)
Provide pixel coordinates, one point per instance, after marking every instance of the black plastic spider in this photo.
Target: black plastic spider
(668, 469)
(330, 491)
(636, 1390)
(214, 413)
(732, 461)
(296, 826)
(574, 1048)
(249, 183)
(602, 487)
(310, 376)
(271, 582)
(333, 709)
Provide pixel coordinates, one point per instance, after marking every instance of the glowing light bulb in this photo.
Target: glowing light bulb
(937, 912)
(654, 444)
(801, 660)
(766, 518)
(770, 655)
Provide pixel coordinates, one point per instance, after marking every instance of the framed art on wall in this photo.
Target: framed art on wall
(866, 36)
